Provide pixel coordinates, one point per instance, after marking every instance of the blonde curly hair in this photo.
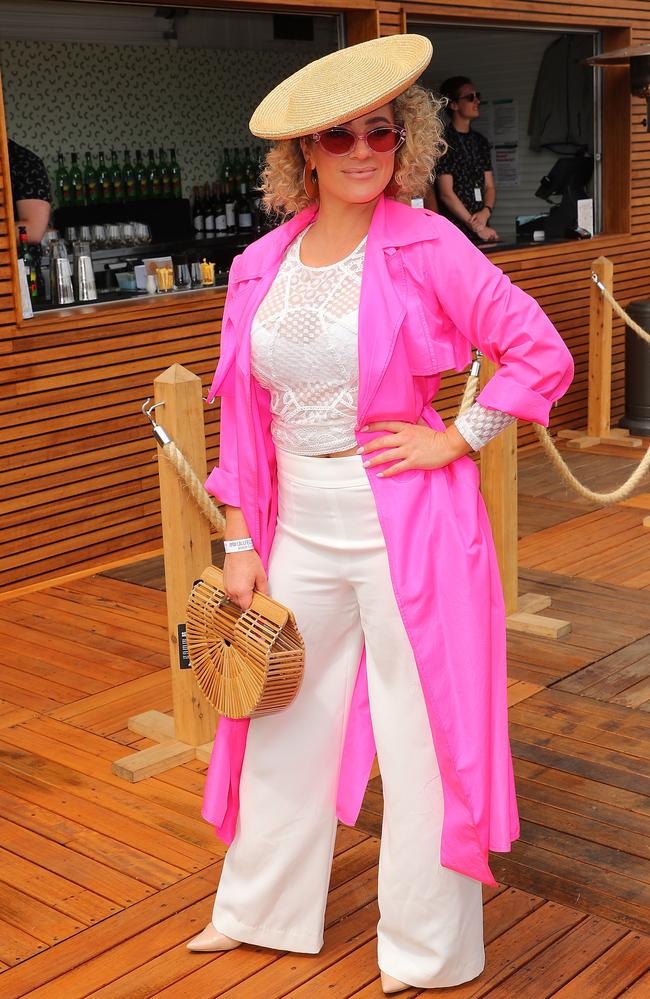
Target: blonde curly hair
(416, 109)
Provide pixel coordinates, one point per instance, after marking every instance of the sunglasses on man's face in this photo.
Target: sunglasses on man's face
(340, 141)
(474, 96)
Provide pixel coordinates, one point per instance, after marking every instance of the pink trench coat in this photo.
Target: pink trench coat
(427, 295)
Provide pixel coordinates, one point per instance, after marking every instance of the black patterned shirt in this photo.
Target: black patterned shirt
(467, 159)
(29, 177)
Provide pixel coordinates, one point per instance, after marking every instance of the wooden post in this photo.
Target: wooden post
(187, 551)
(600, 351)
(499, 489)
(599, 402)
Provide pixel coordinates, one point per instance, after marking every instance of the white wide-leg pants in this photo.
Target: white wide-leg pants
(329, 564)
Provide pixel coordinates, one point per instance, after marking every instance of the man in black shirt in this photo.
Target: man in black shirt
(465, 182)
(30, 191)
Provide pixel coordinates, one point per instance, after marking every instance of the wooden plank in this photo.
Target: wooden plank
(156, 809)
(619, 966)
(139, 687)
(102, 819)
(82, 871)
(106, 937)
(556, 965)
(151, 761)
(45, 923)
(65, 895)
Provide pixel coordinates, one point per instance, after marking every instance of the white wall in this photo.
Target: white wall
(502, 64)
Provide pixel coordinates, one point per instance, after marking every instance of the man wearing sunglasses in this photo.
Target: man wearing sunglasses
(465, 182)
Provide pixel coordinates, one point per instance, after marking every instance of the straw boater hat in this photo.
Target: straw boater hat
(341, 86)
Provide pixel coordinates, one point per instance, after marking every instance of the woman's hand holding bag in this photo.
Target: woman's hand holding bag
(243, 573)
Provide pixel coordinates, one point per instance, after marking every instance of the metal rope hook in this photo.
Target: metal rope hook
(159, 432)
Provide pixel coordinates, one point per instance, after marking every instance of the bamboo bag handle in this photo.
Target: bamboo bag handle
(262, 604)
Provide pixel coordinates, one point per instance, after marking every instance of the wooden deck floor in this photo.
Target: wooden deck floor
(102, 882)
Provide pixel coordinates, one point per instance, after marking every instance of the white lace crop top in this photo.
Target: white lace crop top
(304, 352)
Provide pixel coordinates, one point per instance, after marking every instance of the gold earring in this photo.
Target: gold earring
(310, 182)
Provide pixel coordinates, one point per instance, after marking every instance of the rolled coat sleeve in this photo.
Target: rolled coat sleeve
(535, 367)
(223, 480)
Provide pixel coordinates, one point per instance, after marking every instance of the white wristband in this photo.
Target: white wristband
(238, 545)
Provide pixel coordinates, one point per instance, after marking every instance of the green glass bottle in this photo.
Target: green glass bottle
(76, 181)
(226, 169)
(165, 175)
(175, 175)
(116, 178)
(141, 176)
(90, 181)
(104, 179)
(153, 176)
(129, 178)
(62, 183)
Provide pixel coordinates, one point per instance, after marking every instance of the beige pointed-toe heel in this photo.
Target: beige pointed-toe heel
(210, 939)
(390, 984)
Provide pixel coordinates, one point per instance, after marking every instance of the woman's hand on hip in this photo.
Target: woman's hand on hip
(243, 573)
(412, 445)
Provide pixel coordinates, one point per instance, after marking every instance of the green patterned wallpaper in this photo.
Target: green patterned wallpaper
(86, 96)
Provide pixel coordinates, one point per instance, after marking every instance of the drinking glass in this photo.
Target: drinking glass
(61, 290)
(142, 232)
(113, 236)
(98, 236)
(128, 233)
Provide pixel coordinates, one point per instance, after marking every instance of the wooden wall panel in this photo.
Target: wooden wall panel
(78, 474)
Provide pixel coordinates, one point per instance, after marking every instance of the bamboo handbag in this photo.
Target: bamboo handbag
(247, 663)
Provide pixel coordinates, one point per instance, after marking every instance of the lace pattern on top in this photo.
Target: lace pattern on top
(304, 351)
(479, 425)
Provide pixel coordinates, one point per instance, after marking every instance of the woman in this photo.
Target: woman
(344, 488)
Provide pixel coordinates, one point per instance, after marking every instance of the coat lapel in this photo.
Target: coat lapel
(382, 306)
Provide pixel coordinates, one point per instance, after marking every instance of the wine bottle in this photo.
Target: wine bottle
(104, 186)
(208, 211)
(76, 181)
(198, 219)
(90, 181)
(62, 183)
(116, 179)
(153, 176)
(165, 175)
(129, 177)
(244, 213)
(175, 174)
(230, 207)
(141, 176)
(220, 226)
(28, 256)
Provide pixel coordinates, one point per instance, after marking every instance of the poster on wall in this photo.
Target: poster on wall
(499, 124)
(506, 165)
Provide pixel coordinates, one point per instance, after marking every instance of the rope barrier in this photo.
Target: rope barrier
(620, 312)
(603, 499)
(184, 471)
(194, 486)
